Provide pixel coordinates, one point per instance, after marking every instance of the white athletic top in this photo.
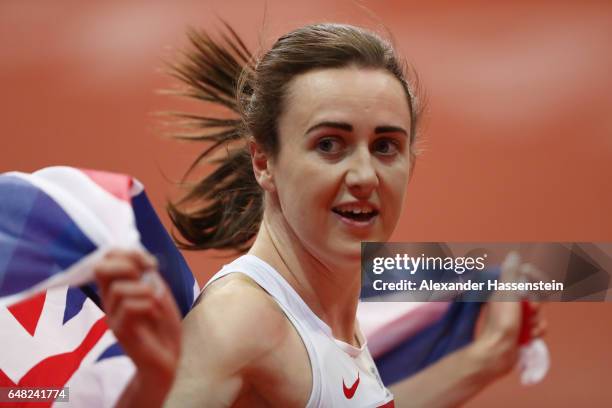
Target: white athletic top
(342, 375)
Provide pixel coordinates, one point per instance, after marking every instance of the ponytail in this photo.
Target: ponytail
(223, 210)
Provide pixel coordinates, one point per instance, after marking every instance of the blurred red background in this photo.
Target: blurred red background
(517, 131)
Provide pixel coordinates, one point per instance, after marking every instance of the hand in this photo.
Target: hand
(498, 339)
(141, 312)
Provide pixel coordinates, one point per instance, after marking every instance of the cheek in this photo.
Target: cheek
(306, 191)
(394, 192)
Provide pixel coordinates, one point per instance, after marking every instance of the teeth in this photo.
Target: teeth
(356, 209)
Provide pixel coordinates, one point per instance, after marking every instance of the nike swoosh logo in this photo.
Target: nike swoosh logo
(350, 392)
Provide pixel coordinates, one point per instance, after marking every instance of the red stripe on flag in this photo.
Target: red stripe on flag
(527, 315)
(28, 311)
(117, 184)
(55, 371)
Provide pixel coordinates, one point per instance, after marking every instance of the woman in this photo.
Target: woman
(329, 122)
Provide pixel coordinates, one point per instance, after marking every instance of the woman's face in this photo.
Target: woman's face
(344, 159)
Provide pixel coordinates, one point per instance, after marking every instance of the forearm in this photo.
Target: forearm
(452, 380)
(143, 392)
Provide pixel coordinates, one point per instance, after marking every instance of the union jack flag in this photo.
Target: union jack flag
(54, 225)
(57, 222)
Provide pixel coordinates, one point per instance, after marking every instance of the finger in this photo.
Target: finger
(151, 285)
(530, 273)
(504, 319)
(171, 316)
(111, 269)
(141, 258)
(132, 313)
(509, 273)
(155, 282)
(510, 266)
(121, 264)
(539, 330)
(138, 260)
(121, 290)
(160, 289)
(167, 304)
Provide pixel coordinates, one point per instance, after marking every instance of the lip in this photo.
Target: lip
(355, 223)
(359, 203)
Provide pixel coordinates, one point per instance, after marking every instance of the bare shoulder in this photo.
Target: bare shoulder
(235, 312)
(227, 336)
(239, 346)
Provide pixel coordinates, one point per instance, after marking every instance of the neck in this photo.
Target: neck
(331, 291)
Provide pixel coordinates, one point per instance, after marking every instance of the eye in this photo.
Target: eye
(330, 145)
(386, 147)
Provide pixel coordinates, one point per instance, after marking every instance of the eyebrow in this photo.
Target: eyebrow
(349, 128)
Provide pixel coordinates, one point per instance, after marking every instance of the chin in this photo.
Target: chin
(350, 254)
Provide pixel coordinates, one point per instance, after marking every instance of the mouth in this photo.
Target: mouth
(356, 214)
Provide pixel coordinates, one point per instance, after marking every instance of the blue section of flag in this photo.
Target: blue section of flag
(172, 265)
(37, 238)
(75, 298)
(453, 331)
(17, 200)
(113, 350)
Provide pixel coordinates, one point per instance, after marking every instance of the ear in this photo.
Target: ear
(262, 167)
(412, 165)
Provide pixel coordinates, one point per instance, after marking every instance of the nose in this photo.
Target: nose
(361, 176)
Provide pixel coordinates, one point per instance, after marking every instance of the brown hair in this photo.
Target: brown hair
(228, 202)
